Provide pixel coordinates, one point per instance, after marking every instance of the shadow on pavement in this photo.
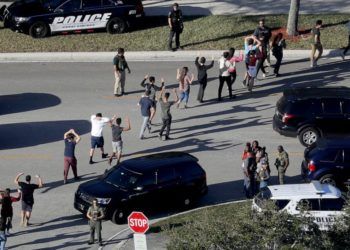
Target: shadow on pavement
(27, 134)
(26, 102)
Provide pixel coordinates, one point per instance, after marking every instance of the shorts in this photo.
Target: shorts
(117, 146)
(26, 207)
(97, 142)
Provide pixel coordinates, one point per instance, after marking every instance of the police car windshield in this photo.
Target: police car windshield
(121, 177)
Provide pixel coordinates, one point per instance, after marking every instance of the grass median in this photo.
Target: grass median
(207, 33)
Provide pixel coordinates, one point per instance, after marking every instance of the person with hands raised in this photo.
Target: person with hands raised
(202, 75)
(165, 106)
(71, 139)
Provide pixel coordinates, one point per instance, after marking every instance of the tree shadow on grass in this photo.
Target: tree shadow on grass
(27, 134)
(26, 102)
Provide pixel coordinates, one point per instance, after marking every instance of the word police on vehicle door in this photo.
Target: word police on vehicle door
(75, 22)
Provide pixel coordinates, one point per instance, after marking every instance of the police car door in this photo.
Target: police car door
(68, 16)
(97, 11)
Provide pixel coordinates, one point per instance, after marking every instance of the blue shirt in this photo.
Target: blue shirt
(146, 104)
(69, 148)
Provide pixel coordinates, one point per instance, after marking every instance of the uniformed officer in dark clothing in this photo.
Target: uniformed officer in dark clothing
(281, 163)
(95, 214)
(176, 26)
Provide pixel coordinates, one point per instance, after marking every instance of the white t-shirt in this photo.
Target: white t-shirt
(224, 65)
(97, 125)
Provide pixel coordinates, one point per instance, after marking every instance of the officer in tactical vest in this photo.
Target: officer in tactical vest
(95, 214)
(281, 163)
(175, 25)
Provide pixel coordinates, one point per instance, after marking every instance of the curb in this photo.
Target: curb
(127, 232)
(135, 56)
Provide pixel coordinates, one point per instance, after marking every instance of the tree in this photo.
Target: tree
(292, 26)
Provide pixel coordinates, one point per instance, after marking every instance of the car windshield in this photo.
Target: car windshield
(121, 177)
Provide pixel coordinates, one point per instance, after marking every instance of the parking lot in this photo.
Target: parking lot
(41, 101)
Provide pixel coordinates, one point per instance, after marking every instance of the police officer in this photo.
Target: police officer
(95, 214)
(282, 163)
(176, 26)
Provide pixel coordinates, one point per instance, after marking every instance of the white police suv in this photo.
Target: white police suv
(324, 202)
(40, 18)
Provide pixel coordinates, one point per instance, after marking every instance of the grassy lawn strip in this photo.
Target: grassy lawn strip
(209, 33)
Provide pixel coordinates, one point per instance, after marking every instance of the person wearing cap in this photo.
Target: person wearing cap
(95, 214)
(176, 26)
(27, 190)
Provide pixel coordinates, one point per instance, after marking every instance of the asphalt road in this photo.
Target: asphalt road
(40, 101)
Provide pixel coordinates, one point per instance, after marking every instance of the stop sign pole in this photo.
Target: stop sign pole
(138, 223)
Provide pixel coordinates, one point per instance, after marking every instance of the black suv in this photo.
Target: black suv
(40, 18)
(145, 183)
(310, 113)
(328, 161)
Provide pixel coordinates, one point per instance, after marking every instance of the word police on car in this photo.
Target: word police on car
(39, 19)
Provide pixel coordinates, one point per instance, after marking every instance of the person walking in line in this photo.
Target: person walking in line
(202, 75)
(263, 34)
(184, 85)
(3, 237)
(6, 201)
(224, 76)
(153, 90)
(348, 46)
(27, 190)
(117, 142)
(120, 65)
(97, 141)
(175, 23)
(249, 170)
(251, 44)
(165, 106)
(95, 215)
(316, 43)
(281, 163)
(71, 138)
(233, 60)
(147, 110)
(278, 44)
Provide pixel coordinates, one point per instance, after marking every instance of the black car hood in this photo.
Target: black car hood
(100, 189)
(27, 8)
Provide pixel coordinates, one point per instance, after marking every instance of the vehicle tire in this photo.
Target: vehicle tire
(116, 26)
(308, 136)
(38, 30)
(120, 216)
(328, 179)
(250, 83)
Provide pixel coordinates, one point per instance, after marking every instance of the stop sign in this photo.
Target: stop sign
(138, 222)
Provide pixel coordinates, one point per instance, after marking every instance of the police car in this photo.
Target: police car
(323, 202)
(40, 18)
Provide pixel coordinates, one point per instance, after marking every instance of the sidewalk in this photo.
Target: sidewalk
(252, 7)
(183, 56)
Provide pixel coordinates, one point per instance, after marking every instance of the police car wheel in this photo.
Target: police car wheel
(38, 30)
(116, 25)
(328, 179)
(119, 216)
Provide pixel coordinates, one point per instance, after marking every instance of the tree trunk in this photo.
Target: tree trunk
(292, 26)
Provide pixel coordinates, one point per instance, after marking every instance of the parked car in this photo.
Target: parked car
(145, 183)
(323, 202)
(327, 161)
(311, 113)
(40, 18)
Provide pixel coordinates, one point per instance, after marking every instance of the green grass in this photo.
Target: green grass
(209, 33)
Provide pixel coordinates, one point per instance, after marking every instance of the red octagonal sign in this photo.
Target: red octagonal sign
(138, 222)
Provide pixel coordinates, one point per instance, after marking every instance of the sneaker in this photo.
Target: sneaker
(91, 162)
(312, 65)
(264, 75)
(160, 137)
(168, 138)
(90, 243)
(64, 182)
(104, 155)
(142, 137)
